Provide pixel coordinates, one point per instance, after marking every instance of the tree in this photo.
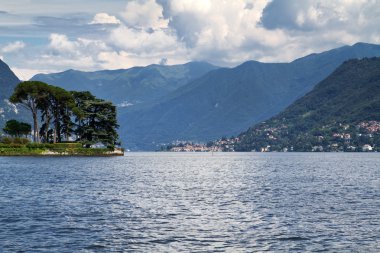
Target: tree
(25, 128)
(96, 119)
(81, 99)
(29, 94)
(16, 128)
(62, 105)
(57, 107)
(45, 106)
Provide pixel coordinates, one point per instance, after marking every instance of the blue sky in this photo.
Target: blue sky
(50, 36)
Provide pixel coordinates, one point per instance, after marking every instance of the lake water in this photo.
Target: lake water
(193, 202)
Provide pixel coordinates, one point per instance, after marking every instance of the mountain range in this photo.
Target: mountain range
(341, 113)
(127, 87)
(225, 102)
(8, 81)
(198, 101)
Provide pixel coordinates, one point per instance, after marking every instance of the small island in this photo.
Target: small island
(65, 123)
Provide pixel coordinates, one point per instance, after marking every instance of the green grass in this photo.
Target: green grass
(67, 149)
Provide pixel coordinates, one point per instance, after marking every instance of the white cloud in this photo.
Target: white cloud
(105, 18)
(124, 59)
(317, 14)
(26, 74)
(63, 53)
(13, 47)
(141, 41)
(316, 25)
(230, 32)
(225, 33)
(144, 14)
(61, 45)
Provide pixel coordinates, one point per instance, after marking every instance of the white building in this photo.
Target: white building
(367, 148)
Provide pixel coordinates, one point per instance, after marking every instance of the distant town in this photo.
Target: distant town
(338, 137)
(222, 145)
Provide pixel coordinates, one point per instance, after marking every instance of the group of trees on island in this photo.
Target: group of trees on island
(64, 115)
(16, 128)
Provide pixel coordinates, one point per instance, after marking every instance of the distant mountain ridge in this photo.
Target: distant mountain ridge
(342, 113)
(200, 102)
(126, 87)
(8, 81)
(225, 102)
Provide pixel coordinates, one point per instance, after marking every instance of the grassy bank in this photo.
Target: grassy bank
(58, 149)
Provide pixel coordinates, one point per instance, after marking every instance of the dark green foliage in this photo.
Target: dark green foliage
(30, 94)
(349, 96)
(96, 119)
(69, 145)
(61, 108)
(64, 149)
(16, 128)
(14, 140)
(54, 103)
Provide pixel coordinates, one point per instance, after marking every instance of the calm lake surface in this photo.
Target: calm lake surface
(166, 202)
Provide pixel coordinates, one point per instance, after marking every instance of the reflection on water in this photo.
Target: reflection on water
(152, 202)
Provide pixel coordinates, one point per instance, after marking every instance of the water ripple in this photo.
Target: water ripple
(163, 202)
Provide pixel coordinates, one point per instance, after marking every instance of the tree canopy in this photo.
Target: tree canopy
(96, 119)
(17, 129)
(63, 114)
(29, 94)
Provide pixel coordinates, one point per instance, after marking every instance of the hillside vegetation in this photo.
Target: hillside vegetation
(225, 102)
(341, 113)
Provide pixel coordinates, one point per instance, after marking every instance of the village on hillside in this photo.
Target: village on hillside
(338, 137)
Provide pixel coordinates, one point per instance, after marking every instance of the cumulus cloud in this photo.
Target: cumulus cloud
(60, 43)
(230, 32)
(144, 14)
(105, 18)
(62, 53)
(125, 59)
(13, 47)
(312, 15)
(225, 33)
(140, 41)
(314, 26)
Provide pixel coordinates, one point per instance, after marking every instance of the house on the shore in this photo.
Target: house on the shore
(367, 148)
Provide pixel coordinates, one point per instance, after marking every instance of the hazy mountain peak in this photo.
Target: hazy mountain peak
(244, 95)
(134, 85)
(8, 81)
